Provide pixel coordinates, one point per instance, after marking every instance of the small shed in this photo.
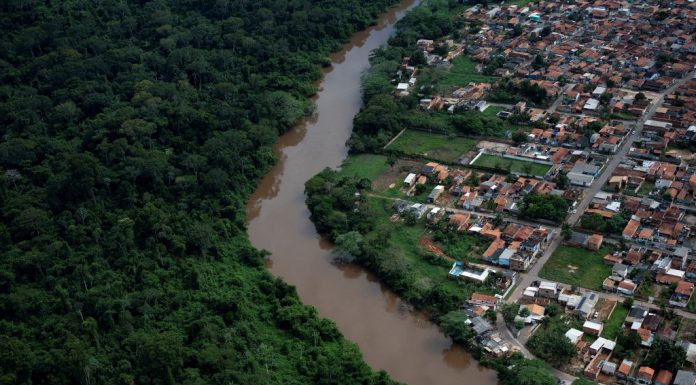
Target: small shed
(410, 179)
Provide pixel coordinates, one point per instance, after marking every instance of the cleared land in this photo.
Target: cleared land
(513, 165)
(442, 147)
(576, 266)
(463, 72)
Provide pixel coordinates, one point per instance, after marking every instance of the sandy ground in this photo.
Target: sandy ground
(492, 146)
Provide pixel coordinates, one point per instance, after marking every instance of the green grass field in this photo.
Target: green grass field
(577, 266)
(614, 325)
(519, 3)
(514, 165)
(463, 72)
(365, 166)
(646, 187)
(491, 111)
(466, 247)
(404, 241)
(446, 148)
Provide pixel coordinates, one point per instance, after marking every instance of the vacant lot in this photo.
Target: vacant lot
(646, 187)
(687, 329)
(576, 266)
(463, 72)
(442, 147)
(614, 325)
(513, 165)
(365, 166)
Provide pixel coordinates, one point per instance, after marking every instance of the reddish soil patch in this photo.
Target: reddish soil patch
(428, 245)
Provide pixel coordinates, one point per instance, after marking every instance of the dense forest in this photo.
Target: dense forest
(132, 133)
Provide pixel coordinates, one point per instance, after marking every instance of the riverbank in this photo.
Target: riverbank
(389, 333)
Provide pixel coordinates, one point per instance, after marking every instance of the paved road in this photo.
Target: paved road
(474, 213)
(559, 99)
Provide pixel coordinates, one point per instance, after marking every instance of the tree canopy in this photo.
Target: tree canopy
(544, 206)
(133, 132)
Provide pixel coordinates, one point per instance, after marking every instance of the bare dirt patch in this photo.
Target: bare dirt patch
(395, 174)
(492, 146)
(604, 308)
(429, 246)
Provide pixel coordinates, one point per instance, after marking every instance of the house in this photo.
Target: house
(626, 287)
(484, 300)
(595, 242)
(646, 337)
(437, 191)
(459, 271)
(587, 304)
(548, 289)
(574, 335)
(480, 325)
(645, 375)
(685, 377)
(631, 229)
(609, 368)
(651, 322)
(664, 377)
(602, 343)
(592, 328)
(620, 270)
(583, 174)
(635, 316)
(682, 294)
(624, 370)
(690, 350)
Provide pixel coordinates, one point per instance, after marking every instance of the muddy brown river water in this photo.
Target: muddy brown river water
(390, 335)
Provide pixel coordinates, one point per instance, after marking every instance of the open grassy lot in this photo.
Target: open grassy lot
(514, 165)
(687, 329)
(691, 306)
(443, 147)
(614, 325)
(365, 166)
(646, 187)
(463, 72)
(519, 3)
(492, 110)
(404, 240)
(577, 266)
(465, 247)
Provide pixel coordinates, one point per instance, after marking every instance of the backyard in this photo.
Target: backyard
(435, 146)
(577, 266)
(512, 165)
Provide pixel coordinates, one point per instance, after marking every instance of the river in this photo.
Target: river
(391, 337)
